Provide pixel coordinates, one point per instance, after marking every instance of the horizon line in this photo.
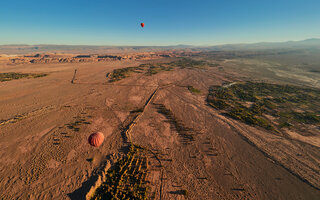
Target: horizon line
(105, 45)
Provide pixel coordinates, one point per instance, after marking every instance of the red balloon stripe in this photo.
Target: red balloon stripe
(96, 139)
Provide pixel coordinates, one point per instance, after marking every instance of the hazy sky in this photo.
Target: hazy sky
(167, 22)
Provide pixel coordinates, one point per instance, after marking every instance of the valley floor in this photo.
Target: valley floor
(44, 151)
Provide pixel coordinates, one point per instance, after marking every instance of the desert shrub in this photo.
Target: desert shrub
(279, 101)
(126, 180)
(13, 75)
(193, 90)
(285, 124)
(184, 192)
(218, 103)
(307, 117)
(257, 108)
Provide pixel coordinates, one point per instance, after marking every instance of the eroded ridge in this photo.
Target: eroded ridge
(127, 179)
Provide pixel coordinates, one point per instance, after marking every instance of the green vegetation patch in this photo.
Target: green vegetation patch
(156, 68)
(189, 63)
(13, 75)
(127, 179)
(255, 103)
(151, 69)
(122, 73)
(193, 90)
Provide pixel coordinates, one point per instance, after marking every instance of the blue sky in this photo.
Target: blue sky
(167, 22)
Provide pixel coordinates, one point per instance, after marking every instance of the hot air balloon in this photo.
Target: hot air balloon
(142, 25)
(96, 139)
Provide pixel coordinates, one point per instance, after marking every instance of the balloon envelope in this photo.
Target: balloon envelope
(142, 25)
(96, 139)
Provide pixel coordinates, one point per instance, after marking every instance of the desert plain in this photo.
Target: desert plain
(186, 148)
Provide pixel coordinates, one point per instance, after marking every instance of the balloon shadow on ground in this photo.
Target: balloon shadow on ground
(80, 193)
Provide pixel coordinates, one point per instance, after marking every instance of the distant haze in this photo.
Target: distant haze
(24, 49)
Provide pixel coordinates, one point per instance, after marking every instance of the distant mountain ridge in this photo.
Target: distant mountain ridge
(308, 43)
(22, 48)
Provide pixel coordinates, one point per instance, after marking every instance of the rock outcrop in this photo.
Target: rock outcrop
(67, 58)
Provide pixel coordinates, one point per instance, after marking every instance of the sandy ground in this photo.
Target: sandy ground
(44, 156)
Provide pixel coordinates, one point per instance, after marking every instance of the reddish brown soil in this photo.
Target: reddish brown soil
(42, 156)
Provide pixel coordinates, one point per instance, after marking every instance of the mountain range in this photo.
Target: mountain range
(23, 48)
